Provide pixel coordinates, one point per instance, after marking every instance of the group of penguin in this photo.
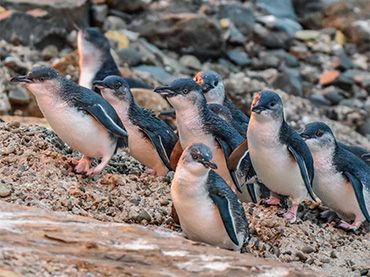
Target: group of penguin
(220, 156)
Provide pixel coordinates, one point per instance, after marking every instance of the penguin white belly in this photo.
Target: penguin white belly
(334, 190)
(142, 149)
(80, 131)
(87, 75)
(278, 170)
(199, 217)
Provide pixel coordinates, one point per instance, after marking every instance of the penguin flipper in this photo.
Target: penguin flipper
(101, 115)
(358, 187)
(304, 170)
(223, 206)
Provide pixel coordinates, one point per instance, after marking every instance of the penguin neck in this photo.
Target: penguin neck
(192, 176)
(126, 109)
(266, 131)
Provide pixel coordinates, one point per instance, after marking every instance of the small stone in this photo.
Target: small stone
(114, 23)
(343, 62)
(4, 104)
(224, 23)
(191, 62)
(119, 37)
(333, 94)
(19, 96)
(328, 77)
(333, 254)
(325, 260)
(307, 34)
(143, 215)
(238, 57)
(5, 190)
(302, 257)
(129, 56)
(319, 100)
(15, 64)
(99, 13)
(234, 36)
(49, 52)
(340, 38)
(307, 249)
(158, 73)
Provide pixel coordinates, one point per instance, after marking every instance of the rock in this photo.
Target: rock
(74, 245)
(191, 62)
(99, 14)
(307, 249)
(302, 257)
(239, 57)
(21, 27)
(289, 80)
(276, 39)
(16, 65)
(130, 56)
(364, 129)
(307, 34)
(309, 13)
(264, 61)
(343, 62)
(4, 104)
(19, 96)
(285, 57)
(150, 100)
(5, 189)
(118, 37)
(127, 5)
(340, 38)
(344, 82)
(49, 52)
(310, 74)
(333, 254)
(234, 36)
(242, 17)
(156, 72)
(185, 33)
(333, 94)
(114, 23)
(319, 100)
(225, 23)
(328, 77)
(281, 9)
(360, 34)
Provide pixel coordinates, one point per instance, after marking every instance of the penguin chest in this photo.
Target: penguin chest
(276, 167)
(87, 75)
(199, 217)
(77, 129)
(142, 149)
(334, 190)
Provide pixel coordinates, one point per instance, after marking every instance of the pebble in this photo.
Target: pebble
(5, 190)
(130, 56)
(302, 257)
(114, 23)
(119, 37)
(308, 249)
(238, 57)
(328, 77)
(15, 64)
(49, 52)
(191, 62)
(19, 96)
(307, 34)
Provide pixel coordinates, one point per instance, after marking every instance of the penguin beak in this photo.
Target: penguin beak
(258, 109)
(366, 157)
(304, 136)
(207, 87)
(21, 79)
(165, 91)
(208, 164)
(99, 84)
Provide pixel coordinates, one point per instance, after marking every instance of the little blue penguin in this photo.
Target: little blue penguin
(197, 124)
(150, 140)
(214, 92)
(96, 61)
(342, 180)
(359, 151)
(207, 208)
(82, 119)
(280, 157)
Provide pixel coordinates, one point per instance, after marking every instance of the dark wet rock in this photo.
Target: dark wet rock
(47, 26)
(239, 57)
(156, 73)
(234, 36)
(344, 82)
(285, 57)
(242, 17)
(19, 96)
(364, 129)
(130, 56)
(319, 100)
(333, 94)
(264, 61)
(99, 14)
(343, 62)
(281, 9)
(126, 5)
(276, 39)
(289, 80)
(185, 33)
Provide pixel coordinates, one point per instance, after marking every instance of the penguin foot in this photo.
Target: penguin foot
(99, 168)
(273, 200)
(291, 214)
(151, 171)
(83, 165)
(349, 227)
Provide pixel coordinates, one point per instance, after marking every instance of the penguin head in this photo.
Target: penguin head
(198, 158)
(267, 105)
(41, 80)
(318, 136)
(114, 89)
(212, 86)
(182, 93)
(91, 41)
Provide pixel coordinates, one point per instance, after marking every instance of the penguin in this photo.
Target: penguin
(82, 119)
(359, 151)
(150, 140)
(207, 208)
(214, 92)
(280, 157)
(197, 124)
(342, 180)
(96, 61)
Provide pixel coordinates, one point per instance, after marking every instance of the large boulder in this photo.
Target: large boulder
(186, 33)
(41, 23)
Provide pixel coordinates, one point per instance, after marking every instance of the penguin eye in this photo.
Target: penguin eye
(41, 79)
(215, 83)
(117, 85)
(319, 133)
(272, 104)
(185, 90)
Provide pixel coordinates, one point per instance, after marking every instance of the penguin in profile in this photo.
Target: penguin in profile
(342, 180)
(150, 140)
(214, 92)
(197, 124)
(280, 157)
(359, 151)
(207, 208)
(96, 61)
(82, 119)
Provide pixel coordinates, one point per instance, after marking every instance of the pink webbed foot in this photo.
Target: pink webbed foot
(291, 214)
(151, 171)
(82, 165)
(349, 227)
(273, 200)
(99, 168)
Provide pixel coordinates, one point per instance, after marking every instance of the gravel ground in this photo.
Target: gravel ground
(36, 170)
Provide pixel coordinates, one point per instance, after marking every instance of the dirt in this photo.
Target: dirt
(36, 170)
